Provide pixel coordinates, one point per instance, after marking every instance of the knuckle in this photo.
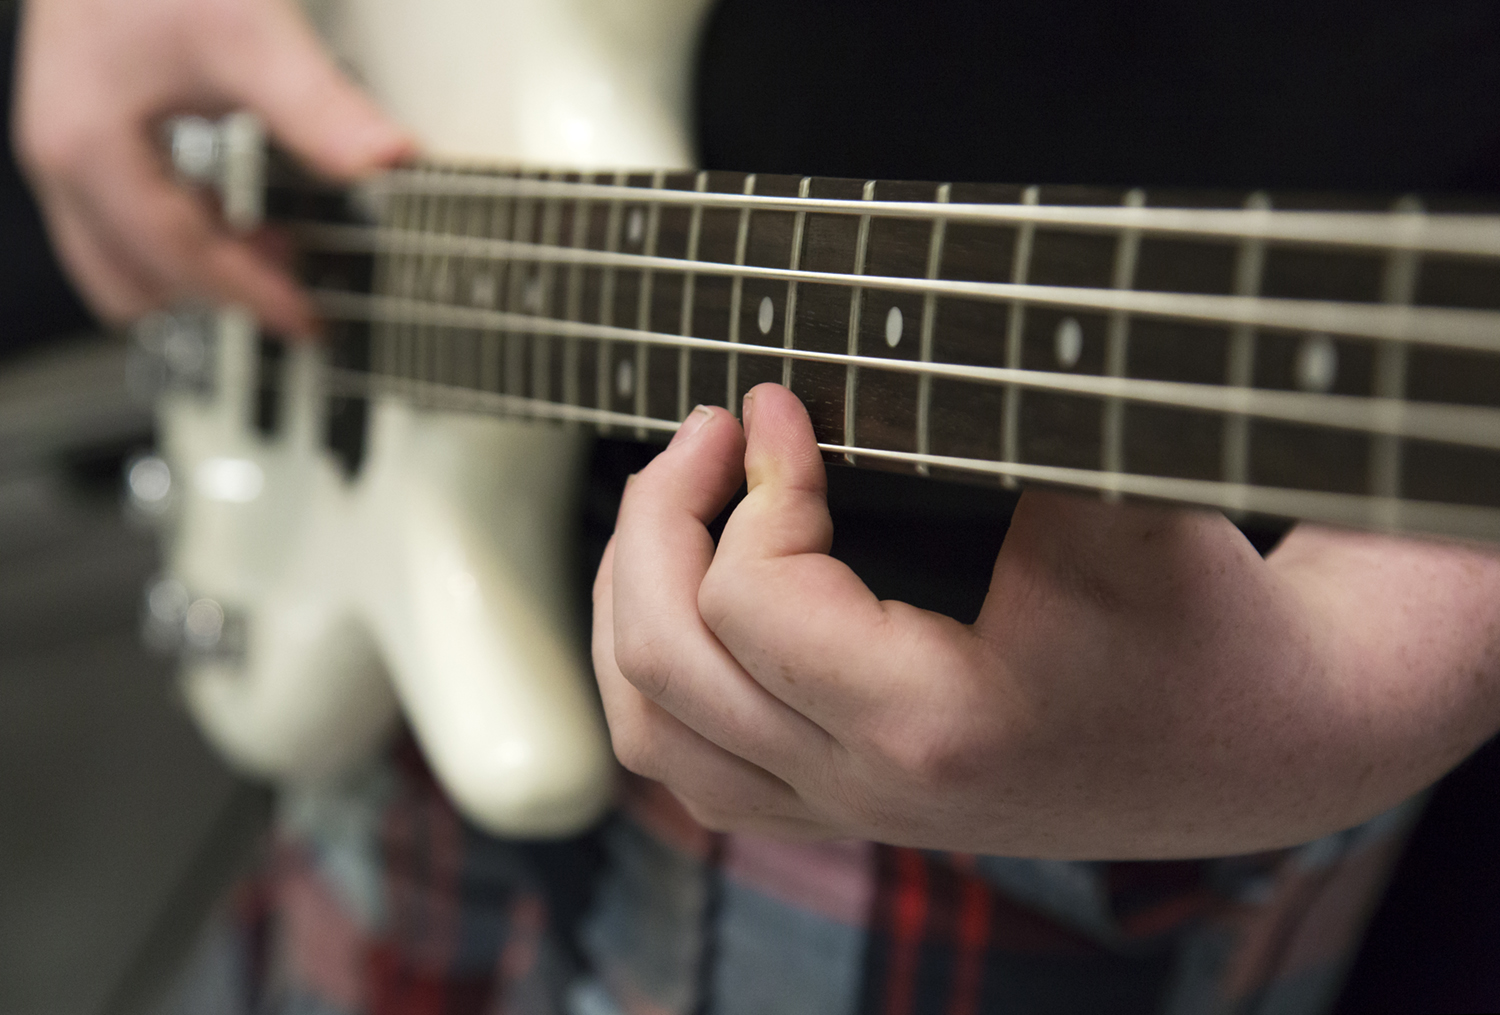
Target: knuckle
(716, 598)
(931, 755)
(730, 589)
(711, 816)
(638, 655)
(635, 752)
(944, 738)
(632, 652)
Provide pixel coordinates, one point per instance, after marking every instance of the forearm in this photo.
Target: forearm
(1410, 631)
(1198, 700)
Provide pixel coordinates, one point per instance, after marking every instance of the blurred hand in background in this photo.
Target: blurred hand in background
(95, 79)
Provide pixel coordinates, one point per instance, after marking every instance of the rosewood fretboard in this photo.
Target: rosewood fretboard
(1323, 357)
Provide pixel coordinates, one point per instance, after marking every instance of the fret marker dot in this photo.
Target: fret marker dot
(1068, 342)
(624, 378)
(482, 290)
(635, 229)
(767, 315)
(1317, 363)
(533, 295)
(442, 284)
(893, 327)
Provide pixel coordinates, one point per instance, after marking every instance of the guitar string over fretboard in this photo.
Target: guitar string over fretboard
(1325, 357)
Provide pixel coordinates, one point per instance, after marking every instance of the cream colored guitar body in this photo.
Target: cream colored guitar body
(435, 582)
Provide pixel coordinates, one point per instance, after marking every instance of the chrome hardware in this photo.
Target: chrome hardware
(173, 349)
(227, 155)
(196, 149)
(148, 485)
(176, 621)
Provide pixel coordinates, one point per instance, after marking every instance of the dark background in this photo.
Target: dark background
(35, 301)
(1328, 95)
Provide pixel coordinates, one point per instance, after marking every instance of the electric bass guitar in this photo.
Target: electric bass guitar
(379, 522)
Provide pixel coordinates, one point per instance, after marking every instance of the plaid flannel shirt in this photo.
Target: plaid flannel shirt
(378, 899)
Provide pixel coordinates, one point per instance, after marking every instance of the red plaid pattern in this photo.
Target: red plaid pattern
(652, 915)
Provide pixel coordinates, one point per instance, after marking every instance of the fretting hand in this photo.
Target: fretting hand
(1140, 683)
(96, 79)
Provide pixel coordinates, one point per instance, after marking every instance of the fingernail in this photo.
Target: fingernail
(745, 408)
(693, 423)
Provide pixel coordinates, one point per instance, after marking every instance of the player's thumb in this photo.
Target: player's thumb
(282, 72)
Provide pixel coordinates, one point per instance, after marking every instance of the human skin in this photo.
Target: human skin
(1139, 683)
(96, 79)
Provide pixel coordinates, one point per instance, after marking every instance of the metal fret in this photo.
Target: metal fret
(573, 305)
(490, 352)
(643, 304)
(602, 398)
(473, 225)
(1398, 288)
(399, 270)
(1117, 346)
(736, 296)
(1015, 325)
(541, 349)
(856, 308)
(1249, 268)
(383, 334)
(444, 285)
(929, 319)
(427, 337)
(799, 229)
(515, 298)
(410, 283)
(689, 296)
(405, 284)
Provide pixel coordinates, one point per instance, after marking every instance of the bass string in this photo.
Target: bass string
(1442, 327)
(1359, 510)
(1402, 229)
(1460, 425)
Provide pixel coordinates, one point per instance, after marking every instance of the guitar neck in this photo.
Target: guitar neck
(1334, 358)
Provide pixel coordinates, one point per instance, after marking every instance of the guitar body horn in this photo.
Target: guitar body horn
(436, 580)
